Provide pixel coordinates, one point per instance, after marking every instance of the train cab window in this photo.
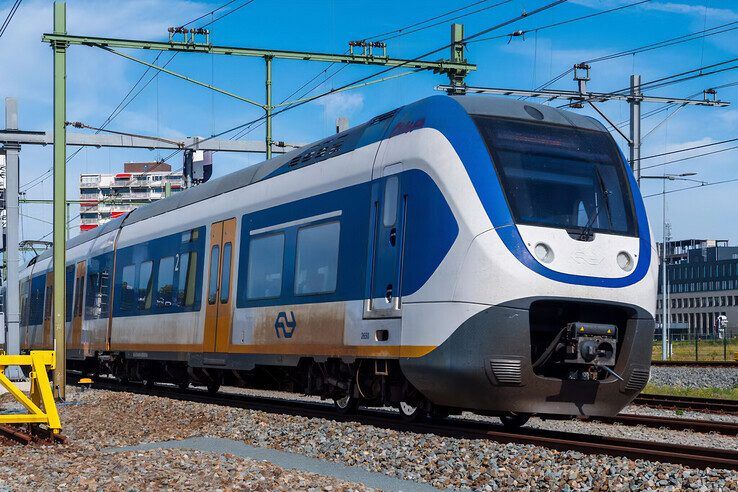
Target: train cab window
(316, 268)
(145, 284)
(213, 283)
(266, 256)
(187, 269)
(548, 171)
(127, 293)
(225, 276)
(165, 282)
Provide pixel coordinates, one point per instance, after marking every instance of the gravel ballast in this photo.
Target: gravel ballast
(96, 420)
(695, 377)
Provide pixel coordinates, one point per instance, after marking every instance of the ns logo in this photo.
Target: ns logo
(285, 325)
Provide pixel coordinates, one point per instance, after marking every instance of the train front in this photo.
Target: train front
(564, 279)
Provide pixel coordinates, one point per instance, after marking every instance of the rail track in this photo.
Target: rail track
(711, 405)
(695, 425)
(695, 363)
(698, 457)
(30, 434)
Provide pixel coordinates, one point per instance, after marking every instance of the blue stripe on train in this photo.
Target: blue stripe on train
(431, 230)
(449, 117)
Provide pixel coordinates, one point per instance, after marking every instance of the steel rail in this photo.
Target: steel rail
(712, 405)
(693, 456)
(675, 423)
(695, 363)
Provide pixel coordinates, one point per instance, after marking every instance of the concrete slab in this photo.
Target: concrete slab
(285, 460)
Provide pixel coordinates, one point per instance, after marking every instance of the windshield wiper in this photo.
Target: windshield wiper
(587, 231)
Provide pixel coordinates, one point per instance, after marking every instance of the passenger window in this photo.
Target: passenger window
(213, 283)
(78, 299)
(266, 254)
(145, 284)
(390, 201)
(317, 259)
(187, 274)
(165, 282)
(127, 294)
(48, 301)
(225, 278)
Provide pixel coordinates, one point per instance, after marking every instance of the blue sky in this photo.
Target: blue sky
(97, 81)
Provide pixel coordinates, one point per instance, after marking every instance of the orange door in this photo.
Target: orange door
(219, 287)
(78, 307)
(48, 312)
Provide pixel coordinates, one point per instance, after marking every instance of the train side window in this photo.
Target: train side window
(213, 282)
(187, 275)
(266, 257)
(225, 277)
(78, 299)
(389, 217)
(127, 293)
(165, 282)
(48, 304)
(69, 279)
(145, 284)
(316, 270)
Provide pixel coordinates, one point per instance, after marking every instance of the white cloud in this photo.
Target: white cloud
(341, 104)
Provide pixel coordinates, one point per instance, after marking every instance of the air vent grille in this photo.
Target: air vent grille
(637, 380)
(507, 371)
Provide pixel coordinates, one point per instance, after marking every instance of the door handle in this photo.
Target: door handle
(393, 236)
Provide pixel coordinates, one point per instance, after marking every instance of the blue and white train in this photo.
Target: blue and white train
(455, 253)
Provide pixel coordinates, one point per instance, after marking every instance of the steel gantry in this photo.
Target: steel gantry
(456, 68)
(633, 96)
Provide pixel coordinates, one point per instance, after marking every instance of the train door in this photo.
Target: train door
(385, 255)
(48, 323)
(220, 287)
(78, 306)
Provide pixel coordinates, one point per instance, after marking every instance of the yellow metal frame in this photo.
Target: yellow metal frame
(40, 397)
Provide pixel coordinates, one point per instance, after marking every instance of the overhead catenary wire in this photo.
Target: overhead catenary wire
(523, 32)
(719, 151)
(687, 149)
(705, 185)
(444, 21)
(9, 17)
(684, 38)
(430, 19)
(524, 15)
(382, 72)
(226, 14)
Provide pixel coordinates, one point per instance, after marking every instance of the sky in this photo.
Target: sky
(97, 81)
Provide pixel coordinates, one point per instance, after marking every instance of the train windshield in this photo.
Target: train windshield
(561, 177)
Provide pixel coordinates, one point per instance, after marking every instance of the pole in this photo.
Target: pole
(664, 343)
(60, 192)
(12, 293)
(268, 106)
(635, 126)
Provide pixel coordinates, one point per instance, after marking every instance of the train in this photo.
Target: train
(457, 253)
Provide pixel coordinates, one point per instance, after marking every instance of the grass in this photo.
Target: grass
(707, 350)
(724, 393)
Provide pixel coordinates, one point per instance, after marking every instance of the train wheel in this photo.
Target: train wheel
(438, 412)
(346, 405)
(513, 421)
(183, 385)
(213, 387)
(409, 412)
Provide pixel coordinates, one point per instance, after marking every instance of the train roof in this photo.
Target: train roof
(340, 143)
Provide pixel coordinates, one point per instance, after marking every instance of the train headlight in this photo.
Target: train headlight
(544, 252)
(625, 261)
